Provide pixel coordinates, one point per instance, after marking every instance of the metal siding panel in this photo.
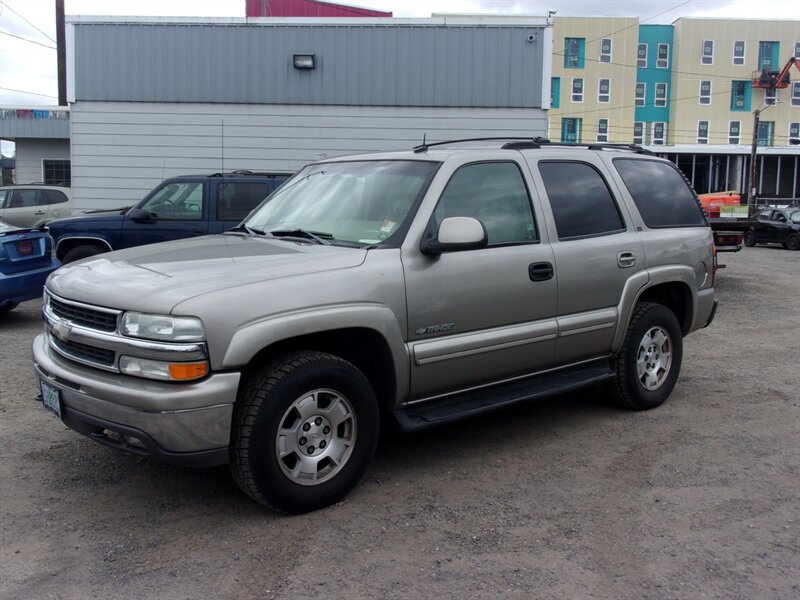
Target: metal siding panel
(379, 65)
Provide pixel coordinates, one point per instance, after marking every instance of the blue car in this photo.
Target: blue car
(26, 259)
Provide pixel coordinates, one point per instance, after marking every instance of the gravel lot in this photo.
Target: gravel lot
(564, 498)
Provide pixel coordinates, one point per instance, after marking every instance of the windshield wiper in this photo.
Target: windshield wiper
(249, 230)
(320, 237)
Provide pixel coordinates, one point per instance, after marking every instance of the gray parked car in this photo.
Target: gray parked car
(32, 205)
(424, 286)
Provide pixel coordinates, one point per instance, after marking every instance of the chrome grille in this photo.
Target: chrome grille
(92, 354)
(82, 315)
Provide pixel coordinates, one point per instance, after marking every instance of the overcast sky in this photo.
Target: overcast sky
(28, 66)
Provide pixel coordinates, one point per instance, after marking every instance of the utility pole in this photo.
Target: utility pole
(61, 53)
(751, 186)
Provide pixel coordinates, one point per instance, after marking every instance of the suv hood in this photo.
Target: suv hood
(156, 277)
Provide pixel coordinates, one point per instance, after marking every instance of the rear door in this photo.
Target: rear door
(179, 210)
(596, 250)
(57, 204)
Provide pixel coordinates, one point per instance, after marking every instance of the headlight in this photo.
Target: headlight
(162, 327)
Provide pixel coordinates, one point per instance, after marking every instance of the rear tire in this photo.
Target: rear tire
(793, 241)
(79, 252)
(749, 238)
(647, 367)
(305, 427)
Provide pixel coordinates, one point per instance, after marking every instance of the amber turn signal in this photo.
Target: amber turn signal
(183, 371)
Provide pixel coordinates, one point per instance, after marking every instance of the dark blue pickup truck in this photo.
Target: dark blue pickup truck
(180, 207)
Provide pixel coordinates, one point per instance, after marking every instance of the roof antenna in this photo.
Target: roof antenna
(423, 138)
(222, 144)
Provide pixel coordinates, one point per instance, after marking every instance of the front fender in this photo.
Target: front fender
(253, 337)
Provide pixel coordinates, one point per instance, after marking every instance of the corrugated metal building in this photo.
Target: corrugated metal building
(153, 98)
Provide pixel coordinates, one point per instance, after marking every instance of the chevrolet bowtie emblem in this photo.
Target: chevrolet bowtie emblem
(62, 330)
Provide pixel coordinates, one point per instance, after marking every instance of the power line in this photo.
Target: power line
(24, 92)
(28, 22)
(27, 40)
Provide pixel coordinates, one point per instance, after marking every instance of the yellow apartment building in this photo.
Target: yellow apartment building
(594, 76)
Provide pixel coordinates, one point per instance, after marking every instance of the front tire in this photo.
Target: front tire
(79, 252)
(749, 238)
(647, 367)
(793, 241)
(304, 430)
(8, 307)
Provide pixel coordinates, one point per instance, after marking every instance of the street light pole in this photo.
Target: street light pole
(751, 186)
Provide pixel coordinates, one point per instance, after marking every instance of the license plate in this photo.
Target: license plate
(51, 398)
(24, 248)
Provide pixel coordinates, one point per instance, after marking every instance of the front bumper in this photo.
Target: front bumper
(181, 423)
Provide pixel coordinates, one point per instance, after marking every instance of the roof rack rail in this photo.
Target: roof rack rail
(588, 145)
(423, 147)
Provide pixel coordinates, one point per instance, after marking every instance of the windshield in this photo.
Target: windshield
(795, 216)
(365, 202)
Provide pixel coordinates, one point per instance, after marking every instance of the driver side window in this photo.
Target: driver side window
(177, 201)
(495, 194)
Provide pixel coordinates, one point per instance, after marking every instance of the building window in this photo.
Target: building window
(796, 93)
(555, 92)
(662, 58)
(770, 96)
(605, 50)
(702, 132)
(602, 130)
(56, 172)
(574, 52)
(734, 132)
(765, 133)
(638, 132)
(661, 94)
(641, 56)
(577, 89)
(740, 95)
(738, 52)
(640, 93)
(705, 92)
(604, 90)
(708, 53)
(570, 130)
(659, 135)
(769, 56)
(794, 132)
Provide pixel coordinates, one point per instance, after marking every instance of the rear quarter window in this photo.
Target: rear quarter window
(661, 194)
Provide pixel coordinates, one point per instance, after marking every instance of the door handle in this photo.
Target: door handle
(626, 259)
(40, 212)
(198, 230)
(541, 271)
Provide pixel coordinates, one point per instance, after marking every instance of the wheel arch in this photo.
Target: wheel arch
(65, 244)
(369, 338)
(671, 286)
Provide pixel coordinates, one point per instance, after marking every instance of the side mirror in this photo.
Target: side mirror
(456, 234)
(140, 215)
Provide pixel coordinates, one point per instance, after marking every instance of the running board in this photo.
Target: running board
(477, 402)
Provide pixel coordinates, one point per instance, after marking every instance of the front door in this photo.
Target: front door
(482, 314)
(178, 209)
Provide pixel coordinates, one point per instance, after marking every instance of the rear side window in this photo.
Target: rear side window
(661, 194)
(23, 198)
(235, 200)
(581, 201)
(52, 197)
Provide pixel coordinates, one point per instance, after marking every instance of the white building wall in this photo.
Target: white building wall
(29, 155)
(121, 150)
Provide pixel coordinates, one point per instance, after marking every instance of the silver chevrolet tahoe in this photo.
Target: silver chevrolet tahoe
(414, 288)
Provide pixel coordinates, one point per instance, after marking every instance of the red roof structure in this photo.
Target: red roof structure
(308, 8)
